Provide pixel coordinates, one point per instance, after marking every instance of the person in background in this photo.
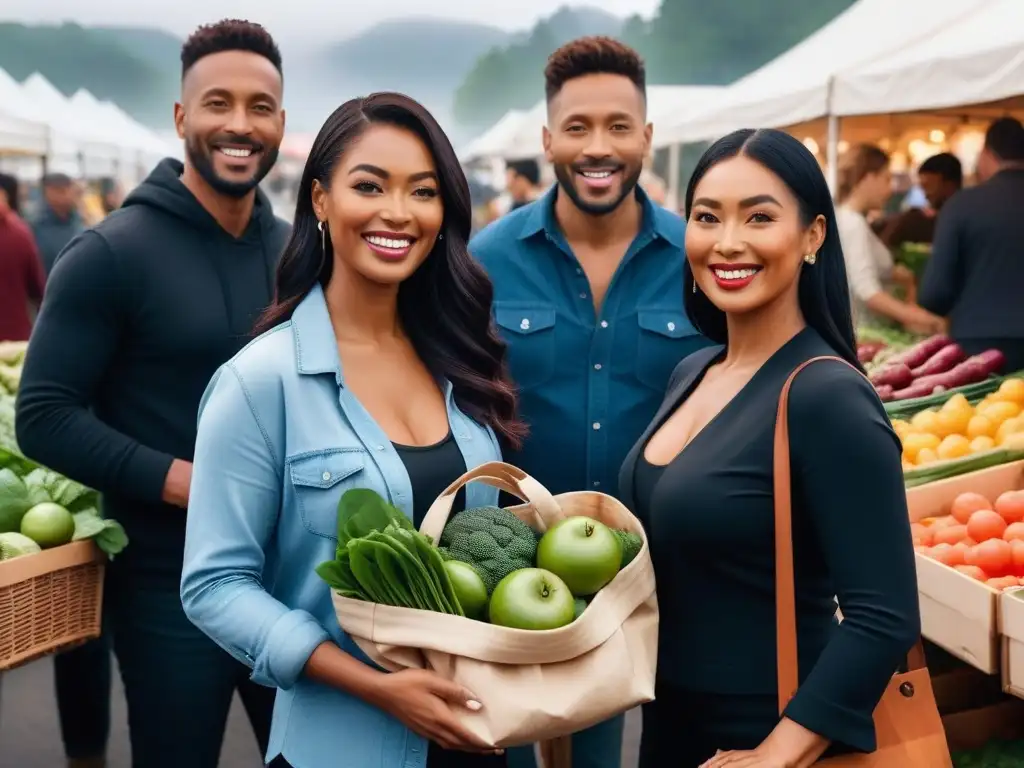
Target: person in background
(376, 368)
(522, 178)
(58, 220)
(864, 185)
(111, 194)
(140, 312)
(21, 273)
(975, 271)
(765, 280)
(589, 295)
(940, 177)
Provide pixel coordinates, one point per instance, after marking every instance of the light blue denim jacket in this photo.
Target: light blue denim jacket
(280, 439)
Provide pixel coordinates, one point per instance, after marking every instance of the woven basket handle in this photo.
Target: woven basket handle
(503, 476)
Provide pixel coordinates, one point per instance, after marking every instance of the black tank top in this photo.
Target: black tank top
(432, 468)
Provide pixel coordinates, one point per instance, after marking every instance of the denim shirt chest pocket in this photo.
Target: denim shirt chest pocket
(319, 480)
(528, 329)
(659, 348)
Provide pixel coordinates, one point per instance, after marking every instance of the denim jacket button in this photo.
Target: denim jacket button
(326, 476)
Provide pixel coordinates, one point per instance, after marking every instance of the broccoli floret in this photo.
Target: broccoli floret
(630, 543)
(491, 539)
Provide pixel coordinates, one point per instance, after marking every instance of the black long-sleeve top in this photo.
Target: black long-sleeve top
(977, 264)
(139, 313)
(710, 521)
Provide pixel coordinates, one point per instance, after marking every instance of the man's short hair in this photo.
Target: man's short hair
(57, 181)
(593, 56)
(944, 165)
(229, 35)
(1005, 139)
(528, 169)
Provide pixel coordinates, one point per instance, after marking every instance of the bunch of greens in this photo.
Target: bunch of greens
(382, 559)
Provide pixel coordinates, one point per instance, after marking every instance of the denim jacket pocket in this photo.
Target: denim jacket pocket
(661, 344)
(529, 331)
(320, 479)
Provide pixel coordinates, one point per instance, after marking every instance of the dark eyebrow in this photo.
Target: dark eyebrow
(225, 93)
(748, 202)
(382, 174)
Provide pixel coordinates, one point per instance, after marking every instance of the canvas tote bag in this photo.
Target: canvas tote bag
(535, 685)
(907, 722)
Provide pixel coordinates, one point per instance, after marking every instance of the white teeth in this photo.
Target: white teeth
(596, 174)
(389, 242)
(233, 152)
(735, 274)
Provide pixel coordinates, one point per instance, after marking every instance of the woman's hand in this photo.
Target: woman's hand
(755, 758)
(423, 701)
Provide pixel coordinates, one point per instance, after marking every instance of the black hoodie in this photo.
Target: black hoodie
(139, 312)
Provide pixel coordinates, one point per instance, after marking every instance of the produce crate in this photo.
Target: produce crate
(959, 613)
(1011, 629)
(49, 601)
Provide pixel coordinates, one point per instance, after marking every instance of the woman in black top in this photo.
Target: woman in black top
(765, 278)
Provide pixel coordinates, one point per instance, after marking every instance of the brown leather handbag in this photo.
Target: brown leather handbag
(907, 723)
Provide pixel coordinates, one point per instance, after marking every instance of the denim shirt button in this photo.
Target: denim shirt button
(671, 326)
(604, 323)
(380, 447)
(326, 476)
(597, 366)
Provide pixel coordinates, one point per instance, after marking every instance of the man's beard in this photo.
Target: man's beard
(200, 156)
(566, 175)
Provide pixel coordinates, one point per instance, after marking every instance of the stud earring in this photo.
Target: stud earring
(810, 258)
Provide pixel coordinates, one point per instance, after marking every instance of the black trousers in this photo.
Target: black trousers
(82, 680)
(178, 683)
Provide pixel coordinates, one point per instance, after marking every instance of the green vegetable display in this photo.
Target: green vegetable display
(380, 558)
(491, 539)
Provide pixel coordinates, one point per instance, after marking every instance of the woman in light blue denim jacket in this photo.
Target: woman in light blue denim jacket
(377, 368)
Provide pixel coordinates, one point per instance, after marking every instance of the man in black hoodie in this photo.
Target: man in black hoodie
(139, 313)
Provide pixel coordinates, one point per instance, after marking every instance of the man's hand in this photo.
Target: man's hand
(177, 483)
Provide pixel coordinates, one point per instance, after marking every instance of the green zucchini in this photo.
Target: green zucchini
(943, 470)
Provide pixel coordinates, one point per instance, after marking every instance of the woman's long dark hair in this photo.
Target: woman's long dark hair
(823, 291)
(445, 306)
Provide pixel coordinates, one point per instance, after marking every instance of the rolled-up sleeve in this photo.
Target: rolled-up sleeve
(234, 503)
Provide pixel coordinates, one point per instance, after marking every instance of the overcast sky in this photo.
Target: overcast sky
(297, 18)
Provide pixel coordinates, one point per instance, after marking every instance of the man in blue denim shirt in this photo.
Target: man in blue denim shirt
(588, 285)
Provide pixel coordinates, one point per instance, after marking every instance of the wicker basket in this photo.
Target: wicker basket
(49, 601)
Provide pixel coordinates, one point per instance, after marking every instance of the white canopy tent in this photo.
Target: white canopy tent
(797, 86)
(139, 149)
(491, 143)
(83, 144)
(971, 67)
(23, 129)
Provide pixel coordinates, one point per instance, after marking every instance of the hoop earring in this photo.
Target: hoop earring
(323, 236)
(810, 258)
(693, 285)
(441, 236)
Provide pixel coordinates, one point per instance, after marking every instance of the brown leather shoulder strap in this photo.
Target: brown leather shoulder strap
(785, 586)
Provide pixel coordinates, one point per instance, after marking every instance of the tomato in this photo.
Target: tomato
(950, 534)
(1011, 506)
(958, 555)
(986, 524)
(921, 534)
(1014, 532)
(1003, 582)
(994, 557)
(973, 572)
(941, 553)
(966, 504)
(946, 521)
(1017, 555)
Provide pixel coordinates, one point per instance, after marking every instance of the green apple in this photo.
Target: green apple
(469, 588)
(48, 525)
(582, 552)
(532, 598)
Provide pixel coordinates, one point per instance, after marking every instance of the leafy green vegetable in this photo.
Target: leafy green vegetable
(15, 500)
(492, 540)
(631, 545)
(108, 534)
(14, 544)
(381, 558)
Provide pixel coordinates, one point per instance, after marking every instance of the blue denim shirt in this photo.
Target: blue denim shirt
(280, 439)
(589, 381)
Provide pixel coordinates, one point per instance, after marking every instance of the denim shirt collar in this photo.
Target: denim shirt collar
(316, 348)
(657, 222)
